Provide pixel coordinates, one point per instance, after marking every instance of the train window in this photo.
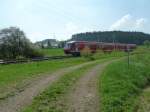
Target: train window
(67, 46)
(72, 45)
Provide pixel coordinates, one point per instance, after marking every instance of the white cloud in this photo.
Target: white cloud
(72, 28)
(34, 36)
(140, 23)
(128, 22)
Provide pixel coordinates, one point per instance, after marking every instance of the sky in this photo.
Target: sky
(59, 19)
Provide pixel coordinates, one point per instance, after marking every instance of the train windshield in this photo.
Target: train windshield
(67, 46)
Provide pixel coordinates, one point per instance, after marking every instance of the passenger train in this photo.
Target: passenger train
(75, 47)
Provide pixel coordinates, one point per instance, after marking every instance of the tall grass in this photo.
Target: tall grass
(120, 86)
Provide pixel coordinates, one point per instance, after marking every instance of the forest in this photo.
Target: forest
(113, 36)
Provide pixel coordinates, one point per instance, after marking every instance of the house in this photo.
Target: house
(48, 43)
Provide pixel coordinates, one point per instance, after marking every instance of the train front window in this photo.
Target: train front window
(67, 46)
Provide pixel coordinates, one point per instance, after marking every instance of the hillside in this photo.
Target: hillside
(112, 36)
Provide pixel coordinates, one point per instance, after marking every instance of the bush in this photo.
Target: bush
(32, 53)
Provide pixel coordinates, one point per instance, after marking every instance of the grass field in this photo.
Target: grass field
(121, 86)
(53, 52)
(60, 52)
(14, 76)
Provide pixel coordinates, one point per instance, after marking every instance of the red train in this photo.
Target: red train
(75, 47)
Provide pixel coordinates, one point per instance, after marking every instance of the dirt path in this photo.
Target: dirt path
(25, 97)
(84, 96)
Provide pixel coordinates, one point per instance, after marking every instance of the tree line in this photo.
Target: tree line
(113, 36)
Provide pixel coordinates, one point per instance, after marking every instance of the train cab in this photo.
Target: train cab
(72, 48)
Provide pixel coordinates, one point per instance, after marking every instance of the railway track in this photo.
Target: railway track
(4, 62)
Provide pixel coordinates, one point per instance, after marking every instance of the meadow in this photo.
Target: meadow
(53, 52)
(15, 77)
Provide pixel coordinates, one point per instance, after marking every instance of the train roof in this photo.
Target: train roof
(83, 42)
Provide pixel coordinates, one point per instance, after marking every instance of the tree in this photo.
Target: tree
(13, 43)
(147, 43)
(61, 44)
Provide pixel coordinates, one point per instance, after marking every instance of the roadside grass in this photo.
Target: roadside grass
(52, 99)
(101, 54)
(53, 52)
(121, 86)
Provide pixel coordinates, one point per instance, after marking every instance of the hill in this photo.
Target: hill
(112, 36)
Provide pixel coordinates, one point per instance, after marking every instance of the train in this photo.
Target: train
(76, 47)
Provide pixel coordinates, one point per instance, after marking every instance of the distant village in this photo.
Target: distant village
(50, 43)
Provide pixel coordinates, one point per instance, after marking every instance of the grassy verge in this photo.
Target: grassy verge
(120, 86)
(52, 100)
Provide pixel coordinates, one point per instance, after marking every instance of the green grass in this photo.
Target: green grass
(14, 72)
(100, 54)
(14, 75)
(120, 86)
(17, 72)
(51, 99)
(53, 52)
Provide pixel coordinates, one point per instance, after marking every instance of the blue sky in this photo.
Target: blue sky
(41, 19)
